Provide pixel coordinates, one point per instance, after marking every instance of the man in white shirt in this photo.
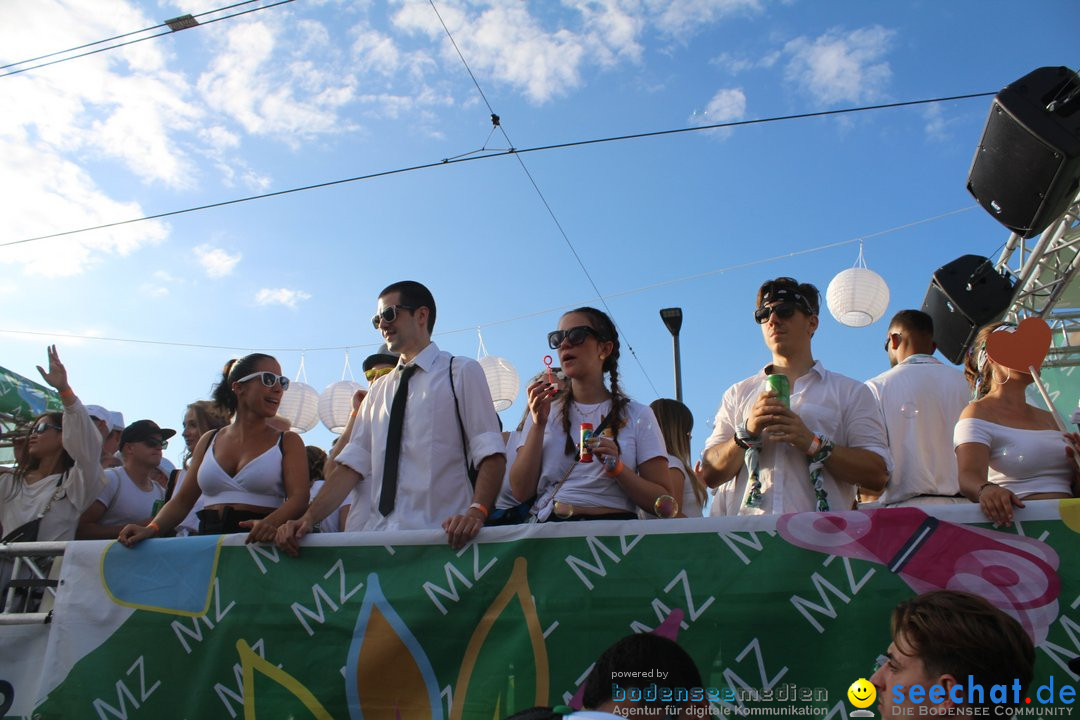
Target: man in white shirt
(921, 399)
(130, 494)
(768, 458)
(430, 479)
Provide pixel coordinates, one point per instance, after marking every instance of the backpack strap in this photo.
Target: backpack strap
(470, 470)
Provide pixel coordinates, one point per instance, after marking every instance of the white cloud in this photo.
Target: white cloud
(726, 105)
(215, 261)
(266, 84)
(680, 16)
(52, 194)
(836, 67)
(736, 65)
(938, 124)
(280, 296)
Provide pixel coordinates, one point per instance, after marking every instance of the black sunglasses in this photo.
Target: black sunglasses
(782, 310)
(42, 426)
(576, 336)
(888, 340)
(152, 442)
(389, 314)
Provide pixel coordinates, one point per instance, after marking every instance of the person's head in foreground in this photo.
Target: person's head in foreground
(949, 651)
(645, 674)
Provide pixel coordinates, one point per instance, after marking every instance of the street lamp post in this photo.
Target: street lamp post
(672, 318)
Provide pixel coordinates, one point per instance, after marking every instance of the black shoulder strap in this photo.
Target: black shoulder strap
(171, 487)
(469, 469)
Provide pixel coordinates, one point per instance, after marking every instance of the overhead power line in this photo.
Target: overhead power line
(525, 316)
(496, 123)
(177, 24)
(495, 154)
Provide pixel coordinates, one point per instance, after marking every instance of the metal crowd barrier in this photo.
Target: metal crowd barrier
(34, 573)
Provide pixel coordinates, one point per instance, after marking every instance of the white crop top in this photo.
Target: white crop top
(260, 482)
(1023, 461)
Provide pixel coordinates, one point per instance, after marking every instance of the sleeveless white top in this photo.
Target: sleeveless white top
(1023, 461)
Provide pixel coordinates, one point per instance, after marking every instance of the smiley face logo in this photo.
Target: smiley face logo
(861, 693)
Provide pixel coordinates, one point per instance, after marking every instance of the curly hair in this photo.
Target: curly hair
(223, 394)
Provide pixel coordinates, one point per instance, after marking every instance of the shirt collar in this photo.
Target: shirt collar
(817, 368)
(425, 358)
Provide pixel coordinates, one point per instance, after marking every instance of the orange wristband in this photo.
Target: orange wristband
(617, 470)
(155, 526)
(66, 393)
(479, 506)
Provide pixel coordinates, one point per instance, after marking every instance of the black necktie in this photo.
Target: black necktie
(393, 443)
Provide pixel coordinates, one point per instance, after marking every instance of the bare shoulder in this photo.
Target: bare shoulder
(979, 410)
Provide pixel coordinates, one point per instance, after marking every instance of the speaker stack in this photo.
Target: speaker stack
(963, 296)
(1027, 166)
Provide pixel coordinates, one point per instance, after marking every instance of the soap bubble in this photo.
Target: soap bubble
(909, 409)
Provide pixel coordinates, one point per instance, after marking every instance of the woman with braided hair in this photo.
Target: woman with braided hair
(625, 464)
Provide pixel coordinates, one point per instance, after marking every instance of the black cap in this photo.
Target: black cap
(382, 356)
(141, 430)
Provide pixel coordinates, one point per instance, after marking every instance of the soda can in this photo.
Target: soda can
(781, 386)
(158, 504)
(586, 433)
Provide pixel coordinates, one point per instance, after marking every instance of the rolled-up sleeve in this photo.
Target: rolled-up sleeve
(725, 422)
(478, 413)
(357, 452)
(864, 425)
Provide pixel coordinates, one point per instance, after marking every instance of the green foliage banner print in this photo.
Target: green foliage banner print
(781, 614)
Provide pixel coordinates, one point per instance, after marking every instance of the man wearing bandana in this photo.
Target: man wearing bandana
(768, 458)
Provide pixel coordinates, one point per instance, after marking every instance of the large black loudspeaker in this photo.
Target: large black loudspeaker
(1027, 166)
(963, 296)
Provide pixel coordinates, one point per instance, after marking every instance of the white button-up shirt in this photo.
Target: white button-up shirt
(830, 404)
(920, 399)
(432, 480)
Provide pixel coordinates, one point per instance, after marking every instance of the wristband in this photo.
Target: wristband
(66, 393)
(154, 526)
(479, 506)
(353, 413)
(815, 446)
(617, 470)
(978, 493)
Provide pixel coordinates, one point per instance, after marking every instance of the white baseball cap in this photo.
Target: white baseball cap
(99, 413)
(116, 421)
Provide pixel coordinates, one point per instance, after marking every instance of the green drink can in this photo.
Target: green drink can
(781, 386)
(158, 504)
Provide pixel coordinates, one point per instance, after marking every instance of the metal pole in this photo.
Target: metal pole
(678, 368)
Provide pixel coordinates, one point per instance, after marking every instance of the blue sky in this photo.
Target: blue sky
(309, 92)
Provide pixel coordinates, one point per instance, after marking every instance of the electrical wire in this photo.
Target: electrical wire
(524, 316)
(547, 206)
(493, 154)
(132, 42)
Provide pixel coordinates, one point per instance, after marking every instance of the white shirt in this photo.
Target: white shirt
(20, 503)
(1023, 461)
(432, 480)
(688, 504)
(588, 484)
(830, 404)
(124, 501)
(506, 498)
(921, 399)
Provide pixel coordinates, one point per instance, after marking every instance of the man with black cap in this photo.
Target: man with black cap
(130, 494)
(771, 454)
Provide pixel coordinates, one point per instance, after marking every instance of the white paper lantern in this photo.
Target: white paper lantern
(335, 404)
(502, 380)
(300, 406)
(857, 297)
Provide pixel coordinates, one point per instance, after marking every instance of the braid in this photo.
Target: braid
(619, 401)
(571, 446)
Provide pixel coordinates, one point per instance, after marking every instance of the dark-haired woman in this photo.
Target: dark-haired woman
(250, 476)
(62, 475)
(1008, 450)
(200, 417)
(629, 467)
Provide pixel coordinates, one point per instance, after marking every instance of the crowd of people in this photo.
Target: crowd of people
(424, 447)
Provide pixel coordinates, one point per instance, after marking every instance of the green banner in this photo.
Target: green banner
(25, 399)
(778, 612)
